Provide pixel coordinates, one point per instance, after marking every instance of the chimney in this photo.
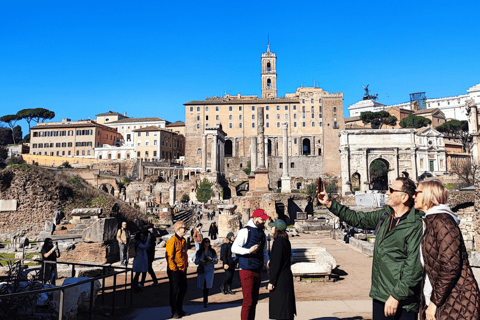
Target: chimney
(125, 114)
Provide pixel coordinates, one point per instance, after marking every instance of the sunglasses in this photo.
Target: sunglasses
(393, 190)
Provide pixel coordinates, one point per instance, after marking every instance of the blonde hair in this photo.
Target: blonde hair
(434, 193)
(178, 225)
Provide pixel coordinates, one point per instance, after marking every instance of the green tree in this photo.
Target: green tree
(37, 115)
(413, 121)
(458, 130)
(204, 191)
(17, 134)
(378, 169)
(27, 115)
(248, 169)
(378, 119)
(11, 120)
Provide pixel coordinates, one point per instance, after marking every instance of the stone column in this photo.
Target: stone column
(204, 153)
(214, 151)
(253, 153)
(265, 147)
(261, 139)
(346, 172)
(286, 185)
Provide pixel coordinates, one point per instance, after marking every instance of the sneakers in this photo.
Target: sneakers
(176, 316)
(229, 290)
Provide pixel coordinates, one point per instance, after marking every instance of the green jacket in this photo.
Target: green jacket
(396, 269)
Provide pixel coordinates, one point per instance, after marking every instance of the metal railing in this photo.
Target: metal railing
(101, 278)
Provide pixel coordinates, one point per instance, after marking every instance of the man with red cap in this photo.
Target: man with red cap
(251, 250)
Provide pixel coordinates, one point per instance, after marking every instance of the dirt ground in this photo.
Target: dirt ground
(354, 270)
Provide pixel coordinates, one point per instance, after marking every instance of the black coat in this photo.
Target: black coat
(213, 231)
(282, 297)
(227, 256)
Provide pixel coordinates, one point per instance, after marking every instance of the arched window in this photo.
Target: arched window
(269, 82)
(199, 151)
(269, 67)
(306, 147)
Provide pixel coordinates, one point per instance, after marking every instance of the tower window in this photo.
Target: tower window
(268, 66)
(334, 109)
(240, 117)
(304, 124)
(217, 117)
(269, 82)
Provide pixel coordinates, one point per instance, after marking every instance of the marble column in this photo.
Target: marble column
(204, 153)
(261, 139)
(286, 183)
(214, 151)
(253, 153)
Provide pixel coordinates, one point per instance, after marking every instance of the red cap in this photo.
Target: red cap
(259, 213)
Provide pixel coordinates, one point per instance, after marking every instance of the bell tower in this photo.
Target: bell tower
(269, 74)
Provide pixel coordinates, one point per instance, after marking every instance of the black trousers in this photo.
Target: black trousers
(228, 277)
(178, 289)
(402, 314)
(151, 257)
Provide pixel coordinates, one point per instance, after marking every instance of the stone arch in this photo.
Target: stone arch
(109, 156)
(228, 148)
(306, 150)
(227, 193)
(356, 182)
(378, 173)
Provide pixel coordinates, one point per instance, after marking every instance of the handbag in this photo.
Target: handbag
(200, 269)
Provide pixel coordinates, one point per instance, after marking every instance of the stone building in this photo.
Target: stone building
(314, 118)
(452, 107)
(71, 138)
(405, 152)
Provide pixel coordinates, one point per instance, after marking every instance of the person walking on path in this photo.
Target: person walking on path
(140, 263)
(282, 294)
(151, 256)
(207, 257)
(396, 270)
(450, 290)
(177, 264)
(123, 238)
(213, 231)
(198, 236)
(251, 249)
(229, 263)
(49, 252)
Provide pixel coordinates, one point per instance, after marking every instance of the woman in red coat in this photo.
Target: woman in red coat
(449, 288)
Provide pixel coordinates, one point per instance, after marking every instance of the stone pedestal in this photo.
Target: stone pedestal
(251, 183)
(286, 187)
(261, 180)
(228, 223)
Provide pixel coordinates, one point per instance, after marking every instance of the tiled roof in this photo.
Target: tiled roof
(176, 124)
(68, 125)
(128, 120)
(432, 111)
(152, 128)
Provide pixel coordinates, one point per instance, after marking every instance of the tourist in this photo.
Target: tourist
(206, 257)
(198, 236)
(449, 289)
(251, 249)
(123, 238)
(213, 231)
(140, 263)
(229, 263)
(151, 256)
(396, 271)
(177, 264)
(50, 252)
(282, 294)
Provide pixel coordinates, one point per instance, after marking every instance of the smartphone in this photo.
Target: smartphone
(319, 185)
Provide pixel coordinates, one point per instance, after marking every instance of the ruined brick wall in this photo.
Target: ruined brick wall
(117, 167)
(458, 198)
(92, 252)
(306, 170)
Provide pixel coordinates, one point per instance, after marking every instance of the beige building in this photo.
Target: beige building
(71, 138)
(314, 118)
(177, 127)
(153, 144)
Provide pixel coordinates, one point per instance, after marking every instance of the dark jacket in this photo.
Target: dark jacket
(396, 269)
(213, 231)
(282, 297)
(227, 258)
(455, 291)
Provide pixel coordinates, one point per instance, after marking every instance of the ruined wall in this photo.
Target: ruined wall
(116, 167)
(458, 198)
(305, 171)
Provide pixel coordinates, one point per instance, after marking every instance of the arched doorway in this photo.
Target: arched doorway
(227, 193)
(379, 174)
(228, 148)
(356, 182)
(269, 147)
(306, 147)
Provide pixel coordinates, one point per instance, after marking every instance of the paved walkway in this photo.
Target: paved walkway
(306, 310)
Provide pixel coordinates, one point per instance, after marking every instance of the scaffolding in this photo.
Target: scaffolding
(420, 98)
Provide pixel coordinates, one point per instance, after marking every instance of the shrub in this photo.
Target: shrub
(185, 198)
(204, 191)
(248, 169)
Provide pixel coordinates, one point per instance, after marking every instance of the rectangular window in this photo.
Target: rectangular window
(292, 164)
(191, 109)
(240, 125)
(253, 124)
(155, 152)
(70, 144)
(216, 108)
(304, 124)
(217, 117)
(206, 108)
(147, 133)
(139, 134)
(280, 165)
(230, 125)
(154, 142)
(294, 116)
(295, 124)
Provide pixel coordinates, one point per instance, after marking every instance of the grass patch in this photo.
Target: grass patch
(76, 182)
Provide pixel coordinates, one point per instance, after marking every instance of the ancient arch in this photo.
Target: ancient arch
(356, 185)
(306, 147)
(378, 173)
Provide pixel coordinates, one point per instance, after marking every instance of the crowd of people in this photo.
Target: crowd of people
(420, 266)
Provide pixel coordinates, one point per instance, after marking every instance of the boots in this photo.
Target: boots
(229, 290)
(205, 298)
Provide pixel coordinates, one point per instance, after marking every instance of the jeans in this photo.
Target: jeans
(197, 246)
(123, 252)
(178, 289)
(251, 281)
(402, 314)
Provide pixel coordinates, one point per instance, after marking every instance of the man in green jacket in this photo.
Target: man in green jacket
(397, 271)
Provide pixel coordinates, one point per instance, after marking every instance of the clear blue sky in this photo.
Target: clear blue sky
(81, 58)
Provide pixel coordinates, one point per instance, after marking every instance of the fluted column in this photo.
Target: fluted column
(286, 185)
(204, 153)
(261, 140)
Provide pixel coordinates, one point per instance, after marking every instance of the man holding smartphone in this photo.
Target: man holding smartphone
(251, 250)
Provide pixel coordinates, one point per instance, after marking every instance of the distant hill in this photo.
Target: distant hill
(41, 191)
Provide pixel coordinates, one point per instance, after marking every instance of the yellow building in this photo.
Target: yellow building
(154, 144)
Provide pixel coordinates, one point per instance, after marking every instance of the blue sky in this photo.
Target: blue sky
(81, 58)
